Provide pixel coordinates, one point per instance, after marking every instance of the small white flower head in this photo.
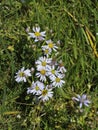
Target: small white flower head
(22, 74)
(97, 34)
(35, 88)
(57, 81)
(47, 51)
(46, 93)
(27, 29)
(52, 72)
(32, 69)
(37, 35)
(43, 62)
(51, 31)
(42, 73)
(51, 45)
(61, 67)
(19, 116)
(58, 42)
(82, 100)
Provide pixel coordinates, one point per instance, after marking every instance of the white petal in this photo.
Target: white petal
(43, 33)
(79, 97)
(32, 35)
(37, 29)
(36, 40)
(84, 96)
(80, 105)
(74, 98)
(86, 104)
(34, 29)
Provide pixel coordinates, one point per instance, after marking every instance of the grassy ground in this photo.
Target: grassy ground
(75, 24)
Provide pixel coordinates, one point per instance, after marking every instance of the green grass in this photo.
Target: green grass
(75, 24)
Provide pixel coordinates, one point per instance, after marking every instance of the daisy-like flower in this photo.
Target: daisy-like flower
(82, 100)
(43, 62)
(22, 74)
(52, 72)
(61, 67)
(35, 88)
(37, 35)
(46, 93)
(46, 50)
(57, 81)
(51, 45)
(42, 73)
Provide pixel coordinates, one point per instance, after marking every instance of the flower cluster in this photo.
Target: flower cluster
(49, 73)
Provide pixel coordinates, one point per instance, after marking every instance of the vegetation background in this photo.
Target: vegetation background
(75, 24)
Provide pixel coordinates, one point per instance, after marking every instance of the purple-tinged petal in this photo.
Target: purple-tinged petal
(84, 96)
(75, 99)
(80, 105)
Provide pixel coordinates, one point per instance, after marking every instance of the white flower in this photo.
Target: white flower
(82, 100)
(37, 35)
(18, 116)
(52, 72)
(32, 69)
(46, 94)
(43, 62)
(57, 81)
(42, 73)
(96, 33)
(58, 42)
(51, 45)
(47, 50)
(22, 74)
(61, 67)
(27, 29)
(35, 88)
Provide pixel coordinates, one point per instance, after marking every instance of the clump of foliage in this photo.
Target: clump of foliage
(75, 25)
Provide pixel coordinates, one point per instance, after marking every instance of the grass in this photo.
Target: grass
(75, 24)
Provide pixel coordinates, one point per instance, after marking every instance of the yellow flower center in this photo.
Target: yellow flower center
(46, 51)
(21, 74)
(43, 72)
(36, 88)
(37, 34)
(44, 92)
(50, 45)
(53, 71)
(44, 63)
(57, 80)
